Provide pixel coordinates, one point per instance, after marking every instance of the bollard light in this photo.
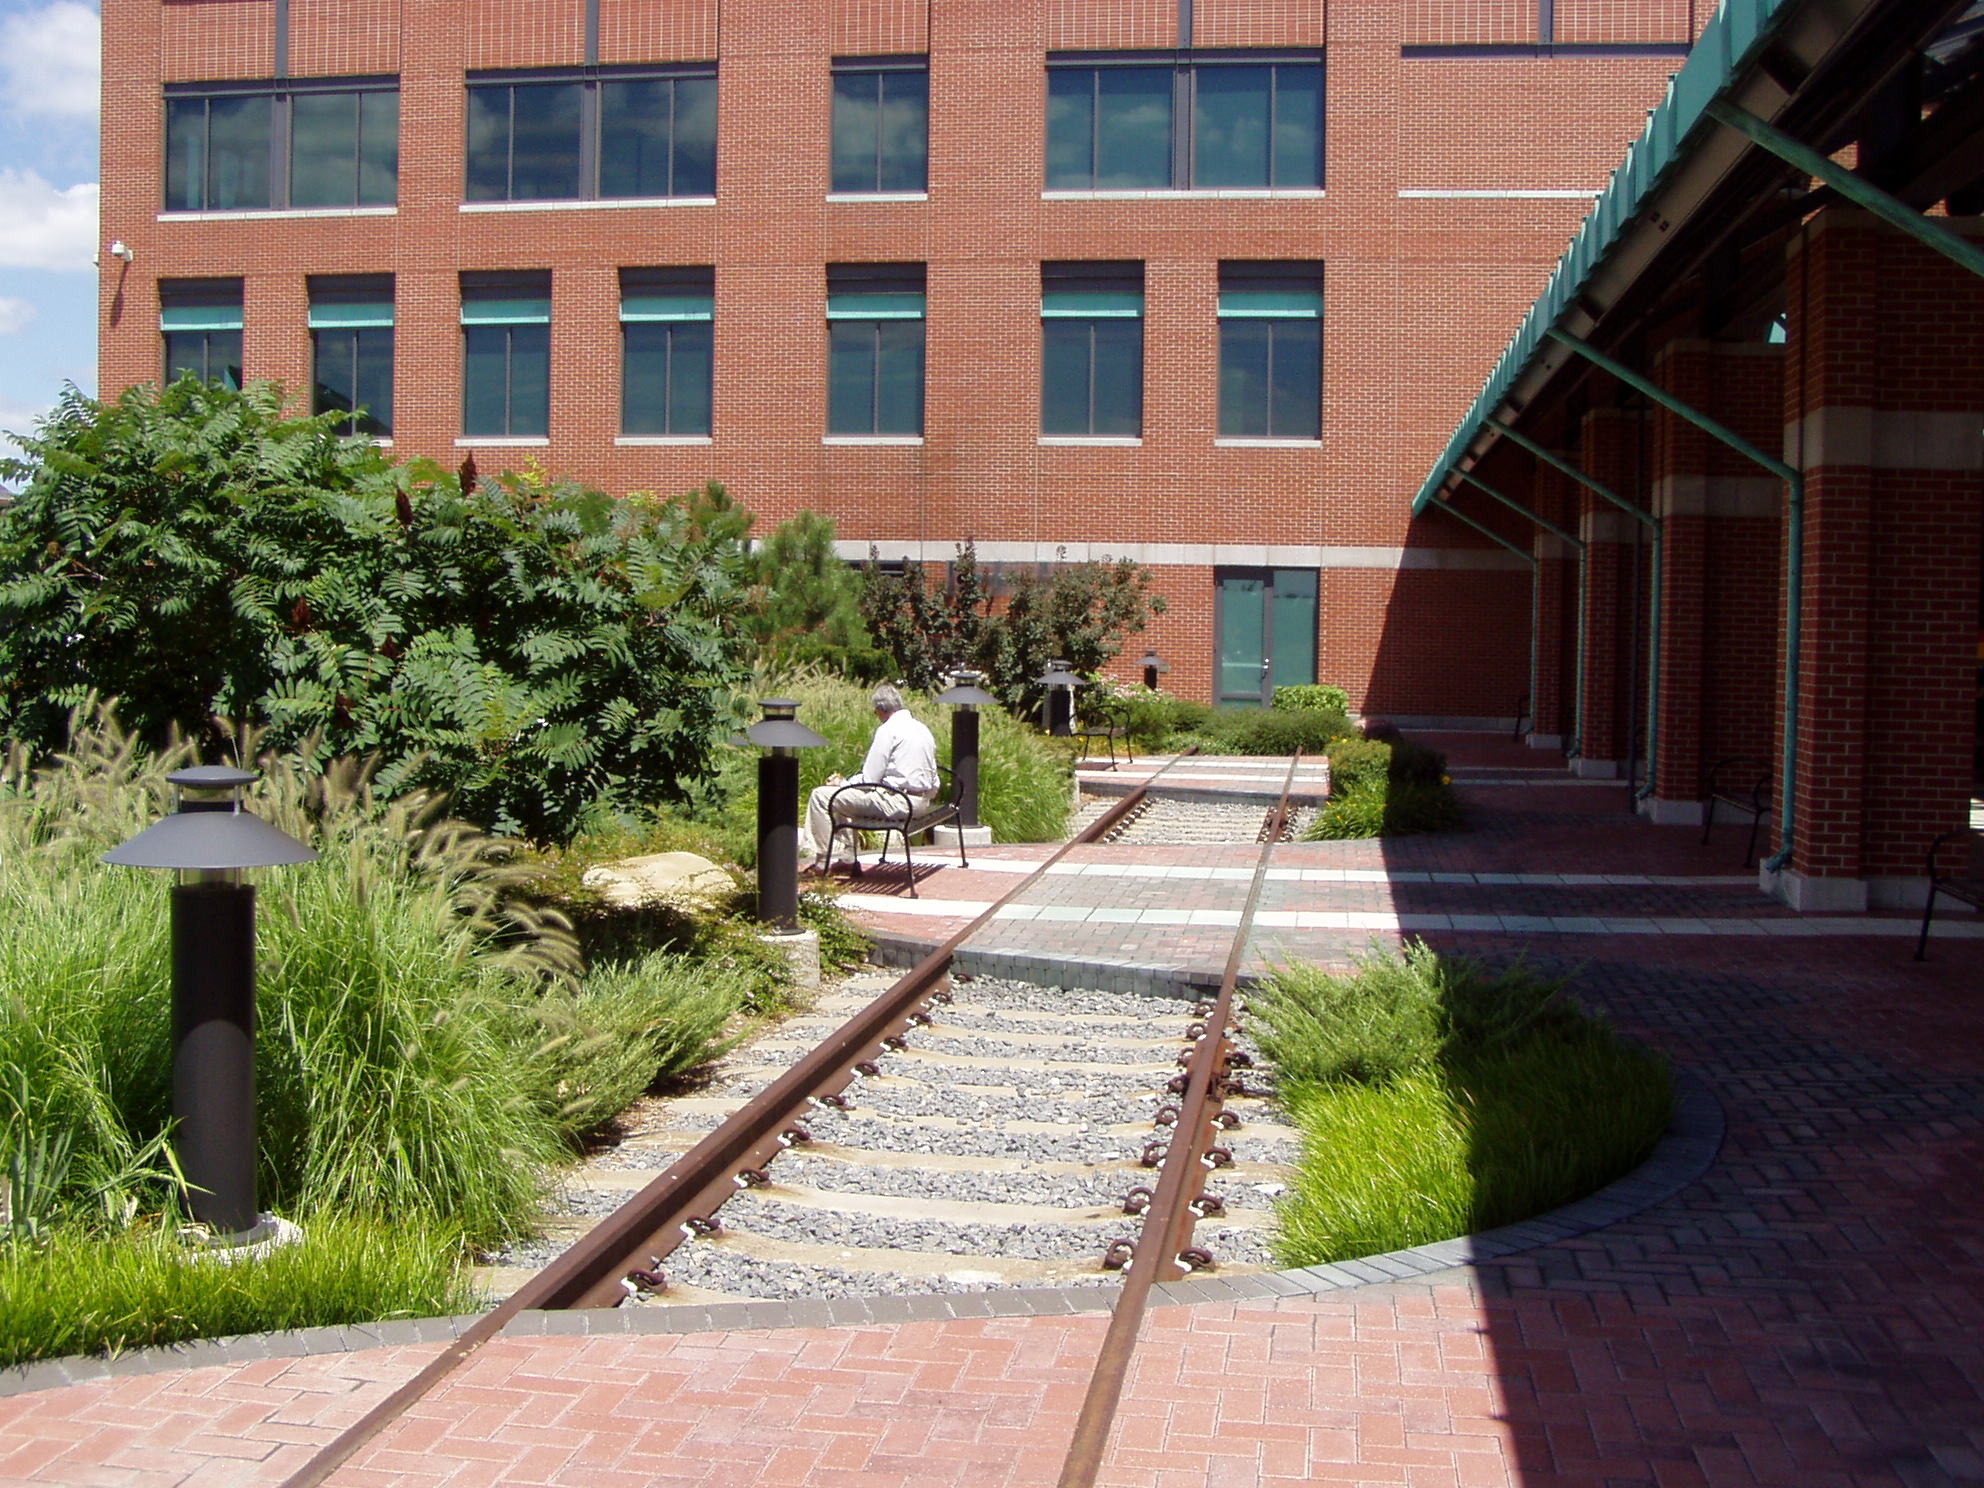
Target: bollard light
(1153, 664)
(966, 695)
(209, 839)
(1060, 707)
(781, 735)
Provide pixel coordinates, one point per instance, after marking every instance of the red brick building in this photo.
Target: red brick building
(1205, 283)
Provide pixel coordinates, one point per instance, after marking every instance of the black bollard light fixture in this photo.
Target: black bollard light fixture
(1060, 684)
(781, 735)
(209, 839)
(1153, 666)
(967, 695)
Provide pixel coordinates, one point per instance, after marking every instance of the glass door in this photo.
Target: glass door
(1264, 622)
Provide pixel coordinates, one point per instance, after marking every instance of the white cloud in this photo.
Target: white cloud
(17, 418)
(48, 227)
(14, 315)
(52, 59)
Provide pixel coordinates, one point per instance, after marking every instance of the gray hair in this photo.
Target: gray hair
(886, 699)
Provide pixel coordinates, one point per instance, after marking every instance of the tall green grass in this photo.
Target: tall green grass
(1436, 1098)
(81, 1292)
(427, 1046)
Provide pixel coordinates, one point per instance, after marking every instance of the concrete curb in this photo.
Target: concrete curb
(1684, 1154)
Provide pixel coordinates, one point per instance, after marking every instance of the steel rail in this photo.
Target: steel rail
(595, 1272)
(1167, 1226)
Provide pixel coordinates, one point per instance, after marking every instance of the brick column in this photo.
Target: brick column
(1608, 453)
(1553, 702)
(1718, 512)
(1884, 406)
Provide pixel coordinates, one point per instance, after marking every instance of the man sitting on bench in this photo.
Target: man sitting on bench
(903, 755)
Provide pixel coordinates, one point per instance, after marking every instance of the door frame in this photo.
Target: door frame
(1266, 573)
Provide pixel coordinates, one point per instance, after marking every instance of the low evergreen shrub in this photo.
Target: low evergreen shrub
(1385, 789)
(1265, 731)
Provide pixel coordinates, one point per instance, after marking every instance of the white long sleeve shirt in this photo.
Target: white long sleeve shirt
(903, 754)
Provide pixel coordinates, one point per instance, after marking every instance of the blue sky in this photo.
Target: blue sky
(48, 203)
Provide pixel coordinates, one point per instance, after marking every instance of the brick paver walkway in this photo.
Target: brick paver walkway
(1810, 1313)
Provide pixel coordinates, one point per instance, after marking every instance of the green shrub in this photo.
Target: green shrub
(1157, 718)
(1311, 695)
(1264, 731)
(1436, 1098)
(527, 646)
(1385, 789)
(806, 610)
(80, 1291)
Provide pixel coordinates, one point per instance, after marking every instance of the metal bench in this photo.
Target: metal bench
(1741, 782)
(939, 810)
(1966, 885)
(1107, 720)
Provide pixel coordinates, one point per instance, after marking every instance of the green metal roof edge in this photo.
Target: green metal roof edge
(1731, 39)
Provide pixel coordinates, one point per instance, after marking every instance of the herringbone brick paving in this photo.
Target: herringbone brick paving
(1810, 1313)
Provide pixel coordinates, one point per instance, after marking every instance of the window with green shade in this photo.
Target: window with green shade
(875, 349)
(591, 134)
(1271, 350)
(200, 324)
(351, 350)
(666, 351)
(302, 143)
(881, 125)
(1091, 349)
(1250, 121)
(506, 355)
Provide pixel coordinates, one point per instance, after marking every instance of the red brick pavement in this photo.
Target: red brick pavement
(1810, 1313)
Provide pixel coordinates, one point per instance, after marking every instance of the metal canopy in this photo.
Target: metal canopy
(212, 841)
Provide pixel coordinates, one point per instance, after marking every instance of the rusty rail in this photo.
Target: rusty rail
(599, 1270)
(1165, 1237)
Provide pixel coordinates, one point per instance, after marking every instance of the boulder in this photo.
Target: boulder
(659, 878)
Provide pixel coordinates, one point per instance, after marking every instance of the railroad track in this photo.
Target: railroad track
(1113, 1161)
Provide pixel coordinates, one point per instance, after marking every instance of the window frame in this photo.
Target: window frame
(692, 293)
(867, 299)
(203, 308)
(348, 308)
(1185, 66)
(1109, 287)
(878, 67)
(1270, 294)
(588, 163)
(515, 300)
(279, 166)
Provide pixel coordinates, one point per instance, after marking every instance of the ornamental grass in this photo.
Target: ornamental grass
(1436, 1098)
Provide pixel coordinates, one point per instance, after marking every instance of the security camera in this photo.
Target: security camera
(118, 249)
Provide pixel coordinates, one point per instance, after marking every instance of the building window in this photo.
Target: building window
(665, 351)
(881, 130)
(595, 134)
(332, 142)
(351, 350)
(875, 349)
(200, 321)
(1271, 350)
(506, 355)
(1251, 121)
(1092, 349)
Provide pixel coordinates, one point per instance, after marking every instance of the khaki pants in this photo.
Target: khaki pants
(857, 802)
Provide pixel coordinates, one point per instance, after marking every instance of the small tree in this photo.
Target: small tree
(807, 602)
(1080, 613)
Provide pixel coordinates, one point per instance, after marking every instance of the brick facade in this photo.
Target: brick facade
(1444, 207)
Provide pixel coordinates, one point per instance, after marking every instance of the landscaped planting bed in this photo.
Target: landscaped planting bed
(1436, 1098)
